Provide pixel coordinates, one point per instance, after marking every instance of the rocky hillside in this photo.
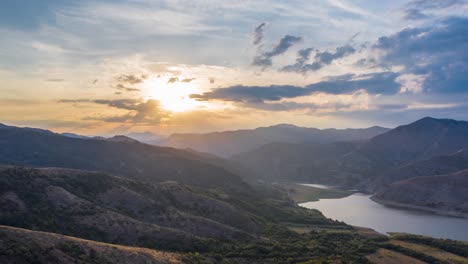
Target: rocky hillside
(229, 143)
(22, 246)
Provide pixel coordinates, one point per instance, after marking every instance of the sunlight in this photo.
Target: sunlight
(173, 96)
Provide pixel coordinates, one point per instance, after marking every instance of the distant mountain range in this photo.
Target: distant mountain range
(229, 143)
(145, 137)
(426, 147)
(119, 155)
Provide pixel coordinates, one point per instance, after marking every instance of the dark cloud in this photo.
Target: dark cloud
(321, 59)
(415, 10)
(440, 54)
(140, 112)
(131, 78)
(264, 59)
(258, 33)
(173, 80)
(187, 80)
(125, 88)
(376, 83)
(252, 94)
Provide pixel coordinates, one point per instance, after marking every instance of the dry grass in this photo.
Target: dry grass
(432, 251)
(385, 256)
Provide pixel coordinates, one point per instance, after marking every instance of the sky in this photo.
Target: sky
(114, 67)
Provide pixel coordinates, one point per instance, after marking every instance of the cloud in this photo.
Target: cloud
(131, 78)
(414, 14)
(439, 54)
(173, 80)
(187, 80)
(128, 89)
(265, 59)
(140, 112)
(375, 83)
(417, 9)
(321, 59)
(258, 33)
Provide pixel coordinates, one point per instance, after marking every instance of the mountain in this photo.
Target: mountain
(438, 165)
(423, 139)
(146, 137)
(441, 192)
(73, 135)
(352, 164)
(100, 207)
(22, 246)
(228, 143)
(128, 158)
(297, 162)
(121, 138)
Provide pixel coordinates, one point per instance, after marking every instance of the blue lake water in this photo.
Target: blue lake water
(359, 210)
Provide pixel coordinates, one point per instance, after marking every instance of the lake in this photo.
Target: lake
(359, 210)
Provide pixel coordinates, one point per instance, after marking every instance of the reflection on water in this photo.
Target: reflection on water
(316, 185)
(359, 210)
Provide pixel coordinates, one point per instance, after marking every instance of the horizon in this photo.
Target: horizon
(100, 67)
(222, 131)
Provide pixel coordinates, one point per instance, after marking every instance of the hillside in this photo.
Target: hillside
(301, 162)
(105, 208)
(119, 156)
(229, 143)
(423, 139)
(355, 164)
(22, 246)
(438, 165)
(165, 216)
(442, 192)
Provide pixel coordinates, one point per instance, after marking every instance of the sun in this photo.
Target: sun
(175, 96)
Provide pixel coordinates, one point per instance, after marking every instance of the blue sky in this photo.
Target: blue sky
(104, 67)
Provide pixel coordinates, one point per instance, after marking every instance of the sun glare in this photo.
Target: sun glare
(173, 96)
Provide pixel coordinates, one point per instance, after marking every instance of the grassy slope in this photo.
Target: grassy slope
(407, 248)
(20, 246)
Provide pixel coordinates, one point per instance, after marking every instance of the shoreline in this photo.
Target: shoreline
(440, 212)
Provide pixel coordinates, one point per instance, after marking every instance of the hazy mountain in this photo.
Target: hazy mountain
(423, 139)
(73, 135)
(443, 192)
(298, 162)
(146, 137)
(121, 138)
(229, 143)
(132, 159)
(22, 246)
(434, 166)
(351, 163)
